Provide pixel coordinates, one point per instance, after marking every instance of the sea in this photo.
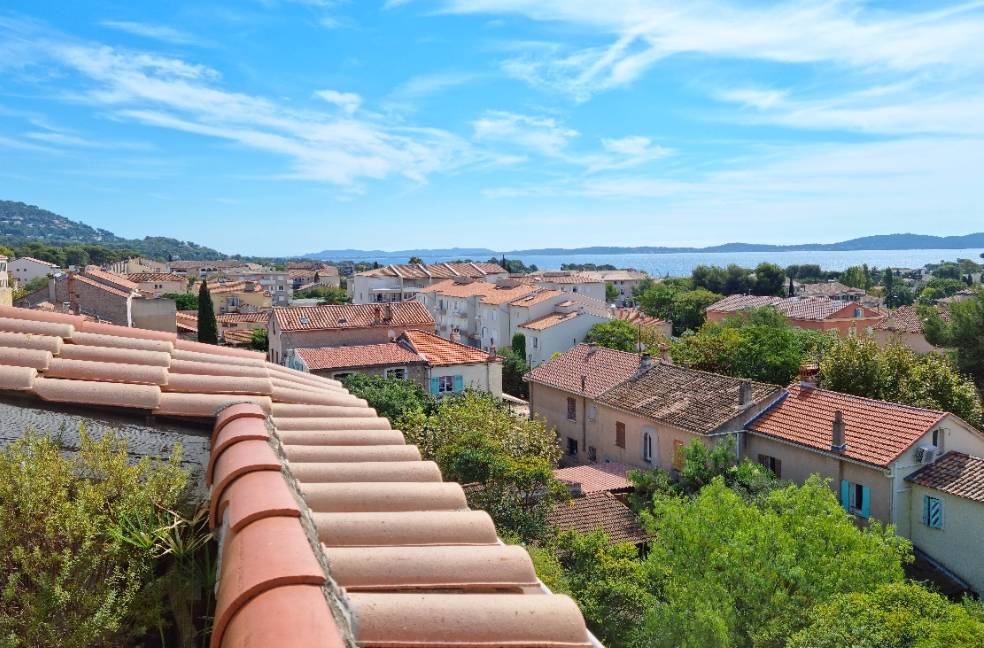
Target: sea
(681, 264)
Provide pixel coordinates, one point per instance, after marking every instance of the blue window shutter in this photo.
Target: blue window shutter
(459, 383)
(925, 511)
(434, 386)
(846, 494)
(935, 513)
(865, 502)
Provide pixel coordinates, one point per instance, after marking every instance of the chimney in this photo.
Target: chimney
(454, 335)
(73, 295)
(837, 443)
(664, 353)
(387, 313)
(645, 362)
(745, 393)
(592, 349)
(808, 376)
(377, 314)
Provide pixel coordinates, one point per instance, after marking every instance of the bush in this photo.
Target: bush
(71, 572)
(390, 397)
(184, 301)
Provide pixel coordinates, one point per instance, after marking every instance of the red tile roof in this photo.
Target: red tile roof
(440, 352)
(33, 260)
(594, 478)
(347, 316)
(598, 511)
(489, 293)
(602, 368)
(117, 281)
(536, 297)
(112, 290)
(552, 319)
(906, 319)
(259, 317)
(637, 317)
(436, 270)
(799, 308)
(876, 432)
(142, 277)
(955, 473)
(366, 355)
(332, 531)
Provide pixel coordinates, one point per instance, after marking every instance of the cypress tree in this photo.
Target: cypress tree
(208, 329)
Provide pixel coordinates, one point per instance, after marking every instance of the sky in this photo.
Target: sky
(277, 127)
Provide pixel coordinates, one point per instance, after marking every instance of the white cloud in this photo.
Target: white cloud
(544, 135)
(753, 97)
(347, 101)
(155, 32)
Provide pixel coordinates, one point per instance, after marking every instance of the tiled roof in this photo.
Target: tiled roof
(33, 260)
(563, 277)
(637, 317)
(616, 275)
(436, 270)
(876, 432)
(189, 265)
(333, 532)
(598, 511)
(112, 290)
(142, 277)
(347, 316)
(364, 355)
(594, 478)
(801, 308)
(601, 367)
(259, 317)
(237, 336)
(186, 321)
(829, 289)
(116, 281)
(536, 297)
(698, 401)
(223, 287)
(552, 319)
(488, 292)
(955, 473)
(440, 352)
(905, 319)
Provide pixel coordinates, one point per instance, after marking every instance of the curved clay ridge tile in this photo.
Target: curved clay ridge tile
(100, 328)
(473, 569)
(316, 423)
(41, 316)
(292, 616)
(31, 341)
(215, 369)
(107, 372)
(204, 405)
(367, 471)
(328, 424)
(18, 357)
(115, 354)
(406, 528)
(35, 327)
(344, 454)
(215, 358)
(119, 342)
(294, 374)
(201, 384)
(87, 392)
(386, 496)
(444, 620)
(17, 378)
(343, 437)
(252, 497)
(201, 347)
(286, 395)
(235, 413)
(240, 429)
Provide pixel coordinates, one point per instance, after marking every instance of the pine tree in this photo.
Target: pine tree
(208, 329)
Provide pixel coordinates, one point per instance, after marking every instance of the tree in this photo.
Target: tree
(324, 294)
(183, 301)
(614, 334)
(895, 615)
(514, 367)
(948, 271)
(856, 277)
(611, 292)
(31, 286)
(687, 310)
(519, 344)
(259, 340)
(770, 279)
(963, 332)
(208, 328)
(390, 397)
(851, 366)
(416, 260)
(734, 573)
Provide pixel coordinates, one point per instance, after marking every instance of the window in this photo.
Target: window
(571, 409)
(932, 515)
(535, 342)
(447, 384)
(592, 454)
(341, 374)
(856, 498)
(647, 447)
(619, 434)
(399, 373)
(772, 464)
(857, 313)
(571, 447)
(574, 289)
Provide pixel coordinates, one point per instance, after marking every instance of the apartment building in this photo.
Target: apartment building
(244, 296)
(275, 282)
(396, 283)
(304, 274)
(158, 284)
(817, 313)
(559, 330)
(623, 281)
(23, 269)
(580, 283)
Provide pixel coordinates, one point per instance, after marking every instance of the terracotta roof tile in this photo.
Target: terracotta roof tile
(876, 432)
(286, 502)
(436, 270)
(798, 308)
(637, 317)
(365, 355)
(439, 352)
(536, 297)
(32, 259)
(348, 316)
(488, 293)
(595, 478)
(598, 511)
(698, 401)
(955, 473)
(145, 277)
(601, 367)
(906, 319)
(553, 319)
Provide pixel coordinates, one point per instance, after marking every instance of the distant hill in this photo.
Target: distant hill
(21, 223)
(401, 256)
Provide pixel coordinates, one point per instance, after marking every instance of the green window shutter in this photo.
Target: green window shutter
(435, 386)
(935, 513)
(925, 511)
(846, 494)
(459, 383)
(865, 502)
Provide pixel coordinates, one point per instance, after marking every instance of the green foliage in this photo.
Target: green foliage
(760, 345)
(416, 260)
(895, 615)
(611, 292)
(208, 328)
(614, 334)
(325, 294)
(78, 566)
(948, 270)
(675, 300)
(184, 301)
(475, 439)
(514, 367)
(939, 287)
(390, 397)
(519, 344)
(895, 292)
(581, 267)
(859, 366)
(31, 286)
(965, 332)
(514, 266)
(734, 573)
(260, 340)
(857, 277)
(770, 279)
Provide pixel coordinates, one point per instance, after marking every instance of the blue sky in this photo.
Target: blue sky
(284, 127)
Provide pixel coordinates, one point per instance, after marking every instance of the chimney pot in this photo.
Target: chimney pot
(664, 352)
(645, 362)
(745, 393)
(837, 443)
(808, 376)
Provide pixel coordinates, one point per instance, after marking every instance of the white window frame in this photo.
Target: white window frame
(647, 446)
(445, 384)
(399, 373)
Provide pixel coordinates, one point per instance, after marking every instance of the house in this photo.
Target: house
(331, 532)
(275, 282)
(438, 365)
(816, 313)
(598, 511)
(24, 269)
(580, 283)
(946, 514)
(238, 296)
(596, 478)
(6, 293)
(865, 447)
(342, 325)
(648, 323)
(832, 290)
(904, 325)
(624, 281)
(559, 330)
(395, 283)
(158, 284)
(304, 274)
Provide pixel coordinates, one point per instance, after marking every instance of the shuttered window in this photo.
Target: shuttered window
(571, 409)
(620, 434)
(932, 512)
(856, 498)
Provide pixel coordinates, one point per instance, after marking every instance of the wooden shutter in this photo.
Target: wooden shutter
(846, 494)
(435, 386)
(459, 383)
(933, 512)
(620, 434)
(865, 502)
